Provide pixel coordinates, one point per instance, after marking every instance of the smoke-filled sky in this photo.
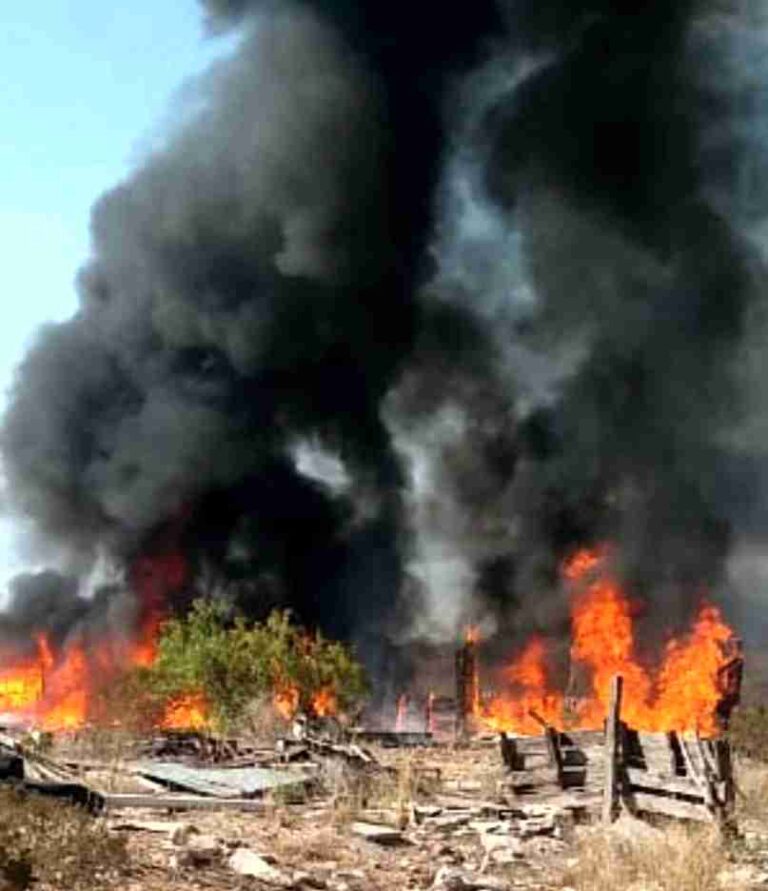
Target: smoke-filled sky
(407, 301)
(86, 87)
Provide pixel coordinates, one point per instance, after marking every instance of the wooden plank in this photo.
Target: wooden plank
(673, 785)
(612, 736)
(123, 801)
(669, 807)
(531, 777)
(583, 738)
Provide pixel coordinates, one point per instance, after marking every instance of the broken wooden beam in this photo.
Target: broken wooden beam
(126, 801)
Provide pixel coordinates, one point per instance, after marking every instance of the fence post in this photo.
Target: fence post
(612, 744)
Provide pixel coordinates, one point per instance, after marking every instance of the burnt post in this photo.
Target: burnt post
(729, 677)
(429, 713)
(467, 684)
(612, 745)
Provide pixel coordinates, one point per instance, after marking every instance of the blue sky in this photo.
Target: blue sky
(86, 85)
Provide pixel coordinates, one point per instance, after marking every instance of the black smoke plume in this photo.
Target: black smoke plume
(480, 256)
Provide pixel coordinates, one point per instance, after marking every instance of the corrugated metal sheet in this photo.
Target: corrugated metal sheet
(243, 782)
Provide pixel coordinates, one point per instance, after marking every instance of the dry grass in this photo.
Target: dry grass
(752, 790)
(748, 732)
(634, 857)
(55, 846)
(394, 792)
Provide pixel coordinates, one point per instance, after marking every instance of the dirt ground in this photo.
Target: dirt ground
(451, 840)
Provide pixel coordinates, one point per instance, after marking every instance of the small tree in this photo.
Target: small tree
(232, 663)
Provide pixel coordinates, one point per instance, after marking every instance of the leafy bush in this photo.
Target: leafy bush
(233, 662)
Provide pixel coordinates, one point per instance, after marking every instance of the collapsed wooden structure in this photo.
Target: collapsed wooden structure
(670, 774)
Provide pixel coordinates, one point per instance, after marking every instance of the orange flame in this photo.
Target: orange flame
(689, 683)
(189, 712)
(527, 677)
(324, 703)
(286, 701)
(65, 702)
(683, 693)
(54, 689)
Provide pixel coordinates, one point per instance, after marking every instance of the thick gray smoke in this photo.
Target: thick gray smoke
(594, 222)
(413, 301)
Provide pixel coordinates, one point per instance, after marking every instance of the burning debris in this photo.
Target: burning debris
(684, 691)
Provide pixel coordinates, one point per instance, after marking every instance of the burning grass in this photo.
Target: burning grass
(56, 846)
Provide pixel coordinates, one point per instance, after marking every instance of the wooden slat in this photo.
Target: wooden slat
(116, 802)
(662, 782)
(669, 807)
(531, 777)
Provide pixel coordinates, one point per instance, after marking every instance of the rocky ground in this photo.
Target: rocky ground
(438, 827)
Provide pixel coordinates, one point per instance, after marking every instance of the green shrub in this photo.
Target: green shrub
(233, 662)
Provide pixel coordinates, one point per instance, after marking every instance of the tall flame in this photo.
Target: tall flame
(682, 693)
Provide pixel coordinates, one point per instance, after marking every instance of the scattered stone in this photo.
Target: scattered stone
(484, 826)
(741, 877)
(422, 811)
(182, 832)
(539, 826)
(501, 849)
(448, 879)
(199, 850)
(449, 821)
(382, 835)
(307, 880)
(248, 863)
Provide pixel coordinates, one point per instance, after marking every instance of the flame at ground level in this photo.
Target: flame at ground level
(683, 693)
(188, 712)
(53, 687)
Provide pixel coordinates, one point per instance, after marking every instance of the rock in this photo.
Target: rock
(426, 811)
(537, 826)
(375, 832)
(494, 842)
(501, 849)
(326, 865)
(199, 850)
(483, 826)
(182, 832)
(741, 877)
(248, 863)
(448, 879)
(449, 821)
(307, 880)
